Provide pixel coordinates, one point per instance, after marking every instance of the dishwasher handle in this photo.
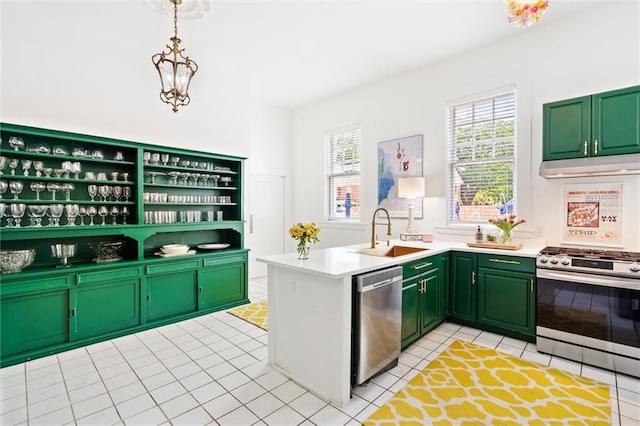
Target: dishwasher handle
(373, 286)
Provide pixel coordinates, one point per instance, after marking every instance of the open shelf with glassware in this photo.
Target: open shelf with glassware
(85, 213)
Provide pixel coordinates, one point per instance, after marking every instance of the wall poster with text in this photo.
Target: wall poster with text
(398, 158)
(592, 214)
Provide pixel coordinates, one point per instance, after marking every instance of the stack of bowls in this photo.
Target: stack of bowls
(173, 249)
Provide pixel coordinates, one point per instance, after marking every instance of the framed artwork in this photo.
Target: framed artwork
(591, 214)
(396, 159)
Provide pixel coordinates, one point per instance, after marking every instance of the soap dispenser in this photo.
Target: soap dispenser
(479, 235)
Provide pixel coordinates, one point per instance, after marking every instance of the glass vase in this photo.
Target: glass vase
(505, 237)
(303, 250)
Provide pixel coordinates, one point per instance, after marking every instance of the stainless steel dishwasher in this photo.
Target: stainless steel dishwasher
(377, 322)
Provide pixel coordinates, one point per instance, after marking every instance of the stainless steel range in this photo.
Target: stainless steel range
(588, 306)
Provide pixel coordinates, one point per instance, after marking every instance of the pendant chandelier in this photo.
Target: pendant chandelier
(175, 69)
(525, 14)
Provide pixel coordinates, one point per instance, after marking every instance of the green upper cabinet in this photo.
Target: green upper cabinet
(590, 126)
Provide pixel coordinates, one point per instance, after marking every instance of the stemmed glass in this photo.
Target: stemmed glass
(26, 165)
(117, 192)
(55, 213)
(103, 212)
(37, 187)
(93, 191)
(68, 187)
(36, 213)
(58, 172)
(125, 176)
(17, 211)
(48, 171)
(114, 215)
(3, 188)
(82, 212)
(39, 166)
(146, 156)
(3, 163)
(16, 188)
(174, 177)
(184, 177)
(91, 212)
(103, 190)
(3, 210)
(13, 163)
(155, 158)
(126, 191)
(124, 212)
(71, 211)
(76, 168)
(53, 188)
(66, 168)
(215, 179)
(16, 143)
(114, 176)
(165, 159)
(153, 176)
(174, 161)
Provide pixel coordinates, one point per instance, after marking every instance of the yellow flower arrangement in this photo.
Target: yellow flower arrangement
(305, 233)
(524, 14)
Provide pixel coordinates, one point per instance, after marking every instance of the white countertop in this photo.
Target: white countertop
(344, 261)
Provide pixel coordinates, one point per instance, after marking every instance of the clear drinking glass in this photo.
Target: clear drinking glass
(13, 164)
(36, 213)
(124, 212)
(17, 211)
(66, 168)
(103, 190)
(53, 188)
(103, 212)
(26, 165)
(114, 215)
(146, 156)
(39, 167)
(71, 210)
(3, 187)
(164, 158)
(16, 188)
(117, 192)
(16, 143)
(68, 187)
(3, 163)
(91, 212)
(82, 212)
(55, 213)
(126, 191)
(37, 187)
(93, 191)
(76, 168)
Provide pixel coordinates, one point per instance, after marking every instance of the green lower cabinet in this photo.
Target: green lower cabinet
(33, 321)
(104, 308)
(171, 295)
(445, 263)
(222, 282)
(410, 312)
(429, 298)
(463, 287)
(506, 300)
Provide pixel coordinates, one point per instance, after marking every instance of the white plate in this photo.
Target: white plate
(159, 253)
(213, 246)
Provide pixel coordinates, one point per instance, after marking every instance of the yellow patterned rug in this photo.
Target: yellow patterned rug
(255, 313)
(469, 384)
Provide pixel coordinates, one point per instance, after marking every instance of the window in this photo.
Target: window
(343, 174)
(482, 146)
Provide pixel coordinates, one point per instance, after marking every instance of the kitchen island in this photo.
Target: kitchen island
(311, 307)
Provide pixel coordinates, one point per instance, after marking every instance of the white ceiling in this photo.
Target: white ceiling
(298, 51)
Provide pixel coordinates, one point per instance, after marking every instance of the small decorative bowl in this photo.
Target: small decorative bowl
(107, 251)
(12, 261)
(174, 248)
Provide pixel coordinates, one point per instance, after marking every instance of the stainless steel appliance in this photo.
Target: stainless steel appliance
(378, 317)
(588, 306)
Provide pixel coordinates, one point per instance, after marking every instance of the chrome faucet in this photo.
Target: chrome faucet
(374, 223)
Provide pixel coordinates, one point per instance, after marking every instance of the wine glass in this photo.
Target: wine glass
(125, 176)
(3, 163)
(55, 213)
(215, 179)
(58, 172)
(36, 213)
(114, 176)
(117, 192)
(174, 177)
(183, 178)
(3, 187)
(124, 212)
(103, 190)
(26, 165)
(155, 158)
(93, 191)
(76, 168)
(3, 210)
(66, 168)
(91, 212)
(103, 212)
(165, 159)
(16, 188)
(82, 212)
(68, 187)
(146, 156)
(17, 211)
(37, 187)
(126, 191)
(71, 211)
(174, 161)
(16, 143)
(39, 166)
(48, 171)
(53, 188)
(13, 163)
(114, 215)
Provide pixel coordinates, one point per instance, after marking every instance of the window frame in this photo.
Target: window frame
(355, 174)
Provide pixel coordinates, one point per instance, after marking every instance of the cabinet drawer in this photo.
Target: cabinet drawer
(508, 263)
(213, 261)
(163, 268)
(420, 265)
(118, 274)
(42, 284)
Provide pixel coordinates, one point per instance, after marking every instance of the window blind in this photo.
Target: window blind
(343, 174)
(482, 142)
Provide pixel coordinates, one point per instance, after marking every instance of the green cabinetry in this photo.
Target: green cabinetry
(171, 289)
(221, 280)
(422, 294)
(494, 293)
(602, 124)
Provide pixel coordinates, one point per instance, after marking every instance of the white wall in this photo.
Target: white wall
(595, 51)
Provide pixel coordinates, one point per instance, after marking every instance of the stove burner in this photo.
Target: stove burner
(591, 253)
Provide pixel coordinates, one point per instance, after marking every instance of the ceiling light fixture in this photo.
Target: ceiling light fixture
(175, 69)
(525, 14)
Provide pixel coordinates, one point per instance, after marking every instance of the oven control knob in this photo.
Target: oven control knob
(543, 259)
(635, 267)
(553, 260)
(565, 261)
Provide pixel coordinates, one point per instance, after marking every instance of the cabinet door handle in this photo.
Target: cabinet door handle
(148, 297)
(424, 265)
(73, 312)
(586, 148)
(200, 289)
(425, 286)
(532, 288)
(595, 147)
(473, 278)
(511, 262)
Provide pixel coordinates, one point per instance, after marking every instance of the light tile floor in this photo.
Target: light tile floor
(213, 370)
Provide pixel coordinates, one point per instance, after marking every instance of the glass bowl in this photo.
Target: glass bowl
(12, 261)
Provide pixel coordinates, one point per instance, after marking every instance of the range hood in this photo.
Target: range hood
(609, 165)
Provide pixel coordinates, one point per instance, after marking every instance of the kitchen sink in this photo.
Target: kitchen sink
(390, 251)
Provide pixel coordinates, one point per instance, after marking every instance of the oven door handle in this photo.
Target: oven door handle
(607, 281)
